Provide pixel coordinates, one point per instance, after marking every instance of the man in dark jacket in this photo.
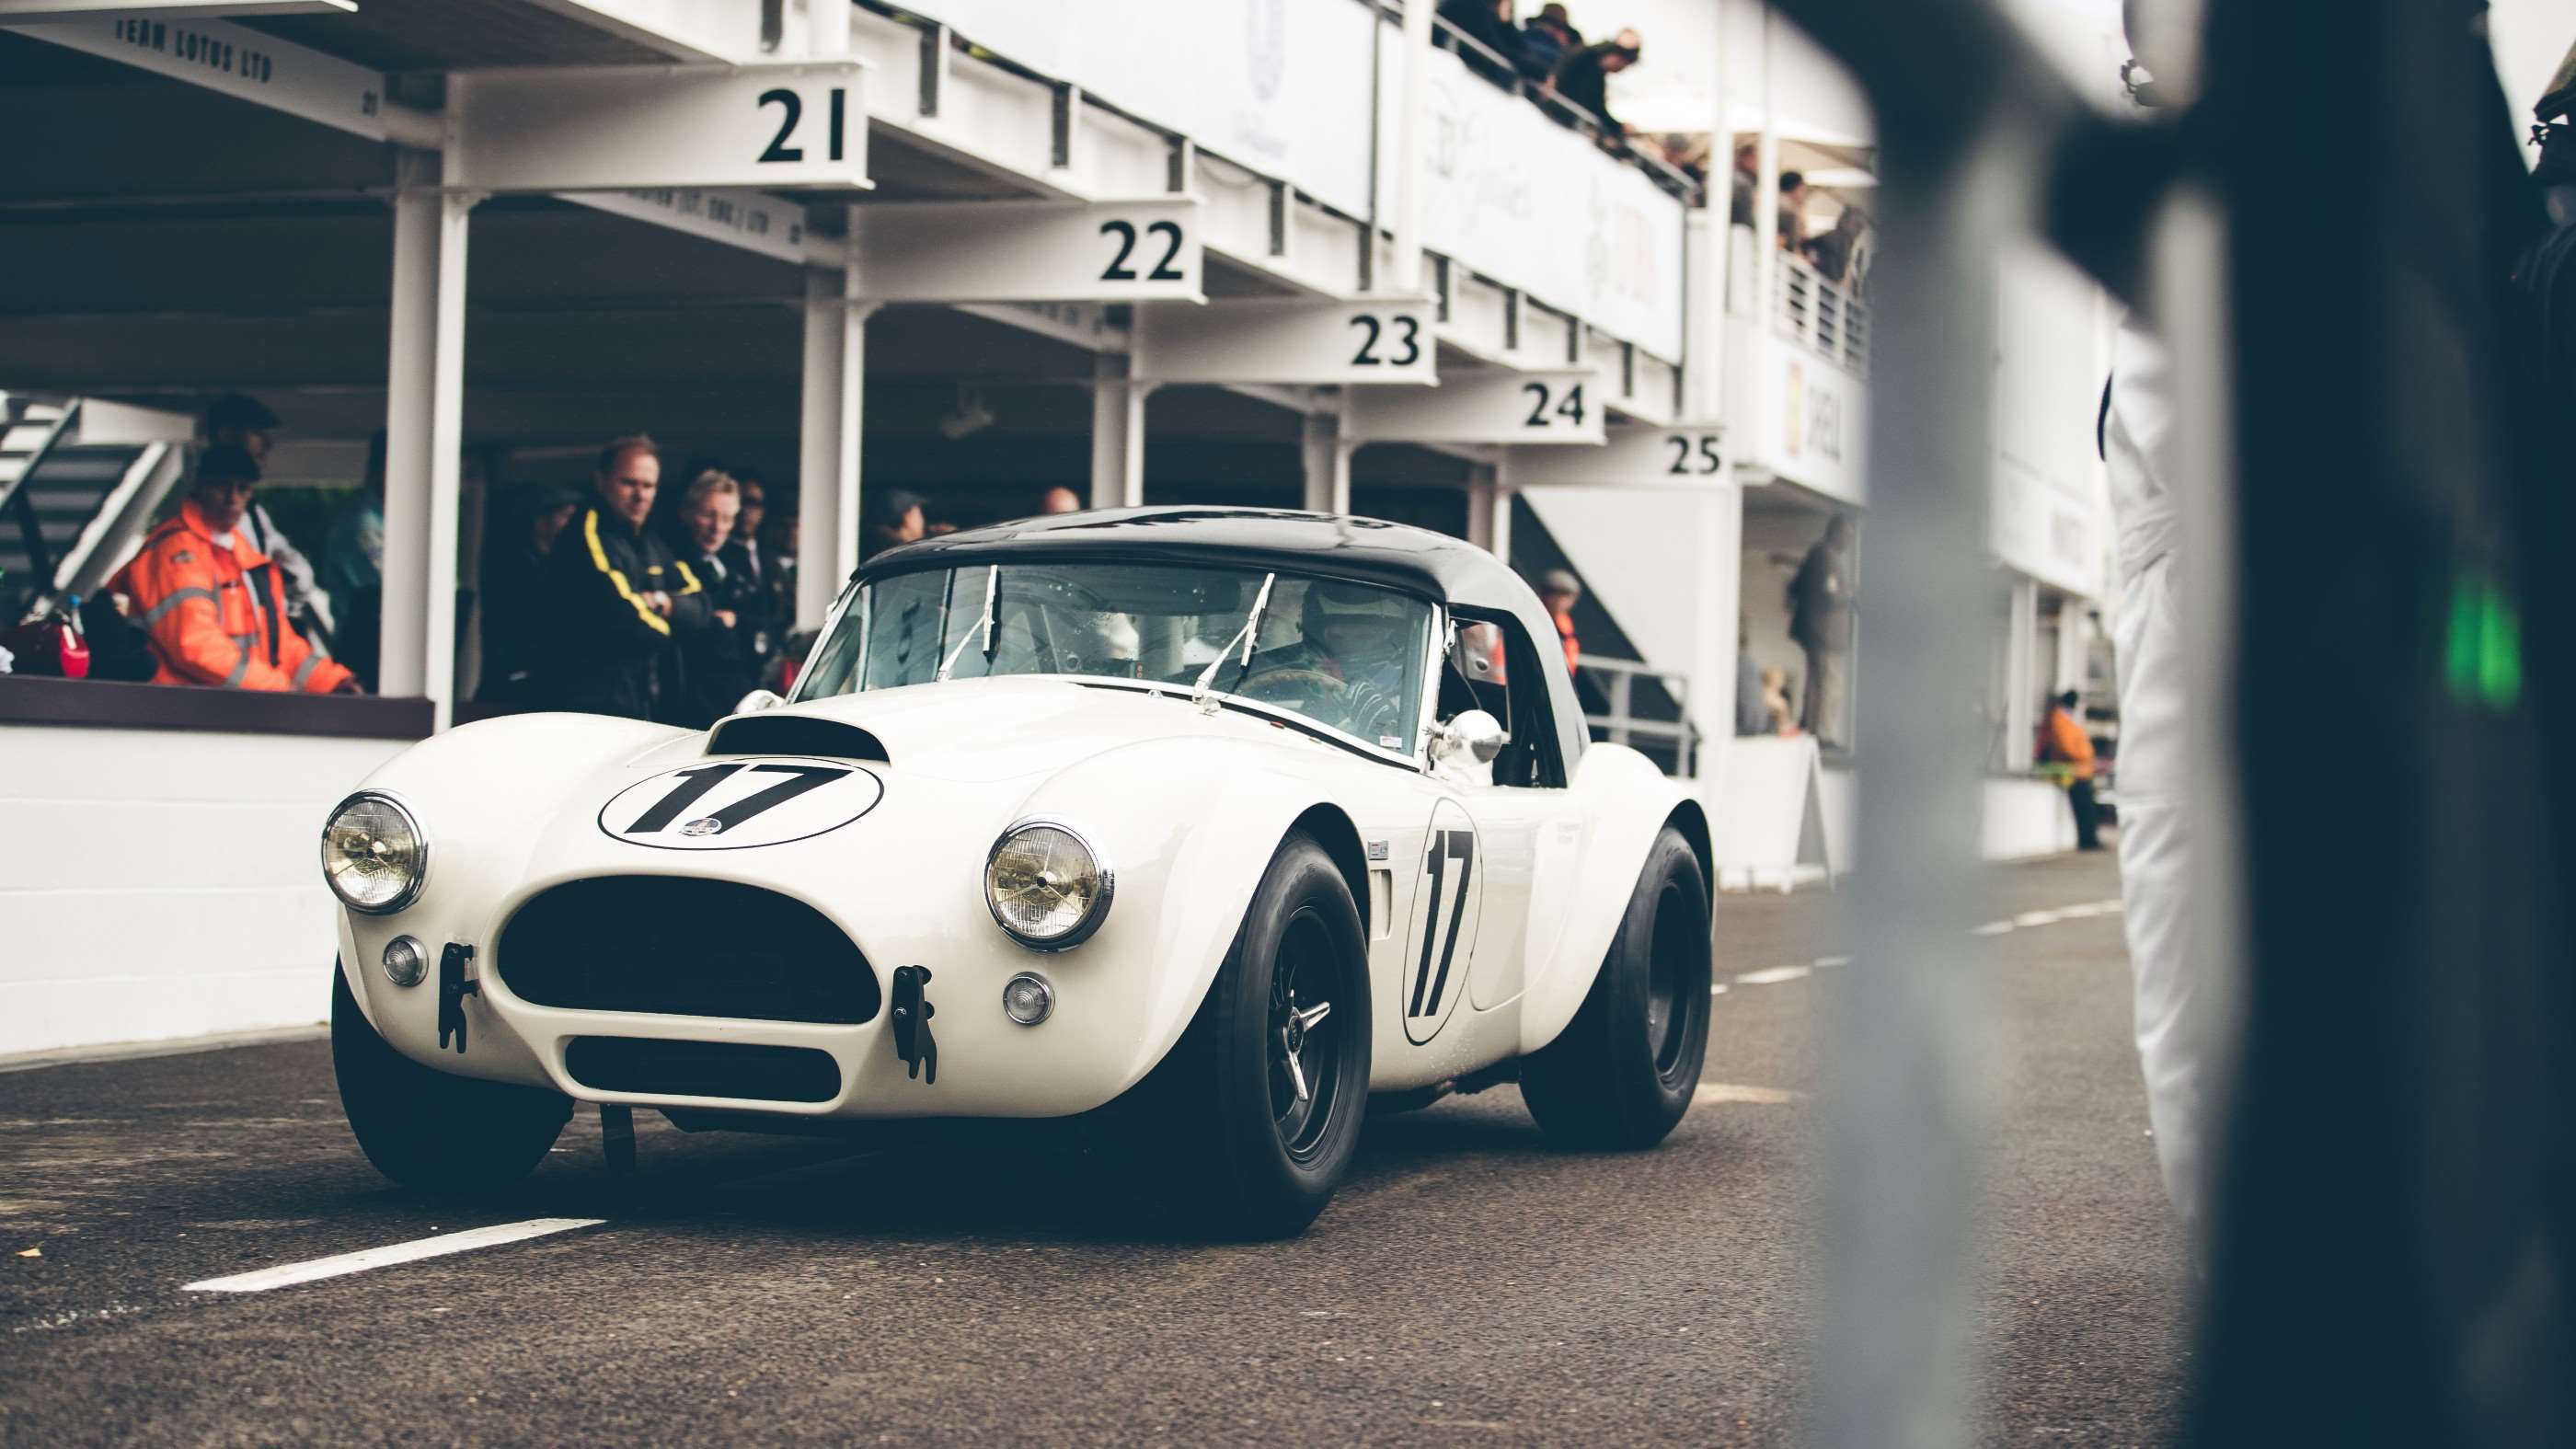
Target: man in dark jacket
(617, 596)
(516, 651)
(1584, 79)
(1820, 619)
(720, 663)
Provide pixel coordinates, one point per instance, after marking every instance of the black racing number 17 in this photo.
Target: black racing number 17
(1446, 846)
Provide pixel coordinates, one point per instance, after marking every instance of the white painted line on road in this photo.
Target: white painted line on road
(2039, 918)
(1993, 928)
(2082, 912)
(288, 1275)
(1827, 963)
(1731, 1092)
(1771, 977)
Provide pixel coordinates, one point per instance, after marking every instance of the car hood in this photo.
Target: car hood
(1000, 729)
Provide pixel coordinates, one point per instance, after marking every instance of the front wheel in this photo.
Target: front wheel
(1251, 1122)
(426, 1129)
(1623, 1071)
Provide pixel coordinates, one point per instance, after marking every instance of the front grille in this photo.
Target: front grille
(684, 947)
(702, 1069)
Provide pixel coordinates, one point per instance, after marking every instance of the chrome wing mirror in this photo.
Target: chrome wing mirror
(1474, 734)
(758, 700)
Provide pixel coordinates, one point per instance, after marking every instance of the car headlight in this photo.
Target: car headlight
(374, 854)
(1048, 888)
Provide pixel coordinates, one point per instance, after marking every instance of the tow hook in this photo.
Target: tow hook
(453, 988)
(912, 1014)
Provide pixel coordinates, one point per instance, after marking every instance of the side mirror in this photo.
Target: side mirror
(758, 700)
(1477, 735)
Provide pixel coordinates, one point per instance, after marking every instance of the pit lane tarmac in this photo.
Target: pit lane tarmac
(192, 1249)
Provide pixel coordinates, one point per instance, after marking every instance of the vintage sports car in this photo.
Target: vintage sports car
(1214, 825)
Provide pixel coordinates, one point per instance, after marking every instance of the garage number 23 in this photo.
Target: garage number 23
(1440, 938)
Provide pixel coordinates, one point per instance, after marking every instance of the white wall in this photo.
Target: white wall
(158, 884)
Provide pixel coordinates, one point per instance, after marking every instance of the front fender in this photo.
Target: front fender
(1628, 800)
(1189, 827)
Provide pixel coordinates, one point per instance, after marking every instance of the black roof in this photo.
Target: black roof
(1362, 550)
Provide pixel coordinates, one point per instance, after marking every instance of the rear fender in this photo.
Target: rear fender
(1629, 801)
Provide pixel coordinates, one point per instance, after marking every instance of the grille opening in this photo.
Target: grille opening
(702, 1069)
(795, 734)
(684, 947)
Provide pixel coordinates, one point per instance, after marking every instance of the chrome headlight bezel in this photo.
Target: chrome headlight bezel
(1081, 930)
(411, 819)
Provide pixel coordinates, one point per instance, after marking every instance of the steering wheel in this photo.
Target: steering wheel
(1265, 686)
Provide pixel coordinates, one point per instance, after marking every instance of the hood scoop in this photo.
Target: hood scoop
(795, 734)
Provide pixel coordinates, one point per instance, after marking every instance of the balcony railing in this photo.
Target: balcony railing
(1499, 69)
(1671, 743)
(1822, 315)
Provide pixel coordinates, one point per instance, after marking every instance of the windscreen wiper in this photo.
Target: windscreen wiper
(1248, 636)
(983, 627)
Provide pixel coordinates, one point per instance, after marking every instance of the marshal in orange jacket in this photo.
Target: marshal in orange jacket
(193, 596)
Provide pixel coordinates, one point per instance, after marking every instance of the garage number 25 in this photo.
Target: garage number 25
(694, 785)
(1439, 938)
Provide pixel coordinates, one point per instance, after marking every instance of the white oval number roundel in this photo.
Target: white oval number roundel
(737, 804)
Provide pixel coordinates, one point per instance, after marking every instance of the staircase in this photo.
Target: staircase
(1626, 700)
(68, 508)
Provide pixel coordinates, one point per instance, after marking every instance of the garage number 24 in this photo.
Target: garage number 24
(1438, 938)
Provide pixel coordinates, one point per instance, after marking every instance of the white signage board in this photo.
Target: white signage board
(755, 221)
(619, 128)
(1676, 457)
(1279, 85)
(1030, 251)
(1806, 420)
(1287, 340)
(237, 61)
(1536, 206)
(1480, 407)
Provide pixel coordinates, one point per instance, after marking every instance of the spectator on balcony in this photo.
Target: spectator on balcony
(213, 605)
(1489, 24)
(514, 590)
(1547, 38)
(1794, 195)
(241, 421)
(353, 569)
(1820, 619)
(1060, 499)
(1748, 184)
(617, 598)
(720, 663)
(1583, 79)
(1835, 255)
(1560, 591)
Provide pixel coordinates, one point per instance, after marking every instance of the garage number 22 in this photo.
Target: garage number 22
(1438, 938)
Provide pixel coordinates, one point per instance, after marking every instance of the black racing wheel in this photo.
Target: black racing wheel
(1250, 1123)
(426, 1129)
(1622, 1072)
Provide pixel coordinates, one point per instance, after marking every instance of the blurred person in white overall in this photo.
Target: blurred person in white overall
(2175, 1001)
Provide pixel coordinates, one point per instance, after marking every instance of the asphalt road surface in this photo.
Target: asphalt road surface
(1470, 1284)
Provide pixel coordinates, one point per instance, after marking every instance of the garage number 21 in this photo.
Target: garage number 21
(785, 146)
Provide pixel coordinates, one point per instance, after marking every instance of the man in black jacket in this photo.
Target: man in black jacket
(616, 596)
(721, 663)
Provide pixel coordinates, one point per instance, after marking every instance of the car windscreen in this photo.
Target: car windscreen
(1347, 656)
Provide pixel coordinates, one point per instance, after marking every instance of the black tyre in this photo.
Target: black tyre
(1622, 1073)
(426, 1129)
(1249, 1124)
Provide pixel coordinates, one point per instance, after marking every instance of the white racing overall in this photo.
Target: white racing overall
(2174, 995)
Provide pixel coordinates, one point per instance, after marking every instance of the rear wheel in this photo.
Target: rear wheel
(426, 1129)
(1622, 1073)
(1250, 1123)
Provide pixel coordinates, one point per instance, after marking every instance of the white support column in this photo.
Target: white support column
(827, 493)
(1117, 434)
(1716, 641)
(1766, 196)
(1412, 149)
(2021, 676)
(424, 427)
(1328, 464)
(1485, 500)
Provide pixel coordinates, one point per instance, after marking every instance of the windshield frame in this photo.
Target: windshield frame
(853, 609)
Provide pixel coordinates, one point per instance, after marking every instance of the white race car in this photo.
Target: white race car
(1213, 825)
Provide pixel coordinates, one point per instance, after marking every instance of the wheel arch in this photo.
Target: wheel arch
(1691, 818)
(1332, 829)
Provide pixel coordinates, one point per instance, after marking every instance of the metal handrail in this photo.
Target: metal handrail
(1620, 721)
(1664, 174)
(21, 504)
(1824, 316)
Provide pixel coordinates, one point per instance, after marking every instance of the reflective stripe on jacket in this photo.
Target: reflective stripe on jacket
(193, 598)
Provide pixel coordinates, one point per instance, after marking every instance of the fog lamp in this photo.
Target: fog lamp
(406, 961)
(1027, 999)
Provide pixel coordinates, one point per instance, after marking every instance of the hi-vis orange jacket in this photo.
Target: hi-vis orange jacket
(193, 596)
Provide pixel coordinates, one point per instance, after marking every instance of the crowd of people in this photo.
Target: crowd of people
(1840, 254)
(1551, 57)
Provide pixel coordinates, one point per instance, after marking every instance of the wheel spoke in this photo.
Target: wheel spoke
(1314, 1015)
(1296, 1070)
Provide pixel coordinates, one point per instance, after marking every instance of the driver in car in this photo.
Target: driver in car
(1361, 640)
